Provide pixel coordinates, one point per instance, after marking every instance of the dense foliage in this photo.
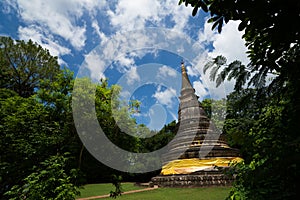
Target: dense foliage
(264, 121)
(36, 122)
(24, 65)
(51, 181)
(160, 139)
(216, 111)
(42, 156)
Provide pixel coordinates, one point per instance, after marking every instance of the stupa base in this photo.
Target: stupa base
(197, 179)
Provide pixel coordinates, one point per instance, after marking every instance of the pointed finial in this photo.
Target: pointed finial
(185, 79)
(183, 67)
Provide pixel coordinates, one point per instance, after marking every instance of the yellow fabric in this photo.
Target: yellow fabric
(187, 166)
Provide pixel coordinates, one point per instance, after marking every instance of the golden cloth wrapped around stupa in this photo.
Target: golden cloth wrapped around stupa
(187, 166)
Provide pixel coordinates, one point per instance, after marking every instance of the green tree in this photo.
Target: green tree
(272, 134)
(235, 117)
(265, 123)
(37, 120)
(270, 45)
(264, 22)
(34, 128)
(56, 98)
(52, 180)
(114, 117)
(27, 137)
(216, 111)
(24, 65)
(36, 117)
(160, 139)
(243, 110)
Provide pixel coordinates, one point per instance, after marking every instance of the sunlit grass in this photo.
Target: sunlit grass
(211, 193)
(104, 188)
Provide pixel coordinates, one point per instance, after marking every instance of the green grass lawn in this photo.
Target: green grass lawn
(212, 193)
(104, 188)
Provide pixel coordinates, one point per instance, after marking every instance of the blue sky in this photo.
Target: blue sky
(131, 42)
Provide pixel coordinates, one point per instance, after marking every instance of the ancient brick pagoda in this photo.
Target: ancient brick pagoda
(197, 156)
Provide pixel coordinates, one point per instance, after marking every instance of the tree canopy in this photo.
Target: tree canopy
(272, 41)
(264, 120)
(42, 156)
(24, 65)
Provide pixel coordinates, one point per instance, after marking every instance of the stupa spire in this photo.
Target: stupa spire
(183, 70)
(186, 84)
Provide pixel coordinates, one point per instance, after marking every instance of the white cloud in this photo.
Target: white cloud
(64, 19)
(180, 15)
(158, 116)
(191, 71)
(119, 48)
(48, 42)
(165, 97)
(132, 76)
(49, 22)
(133, 15)
(97, 29)
(124, 94)
(230, 44)
(130, 15)
(165, 72)
(59, 17)
(125, 61)
(214, 92)
(96, 66)
(206, 34)
(200, 90)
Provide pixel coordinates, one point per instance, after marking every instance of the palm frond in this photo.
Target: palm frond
(259, 79)
(235, 70)
(221, 77)
(214, 65)
(207, 66)
(213, 73)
